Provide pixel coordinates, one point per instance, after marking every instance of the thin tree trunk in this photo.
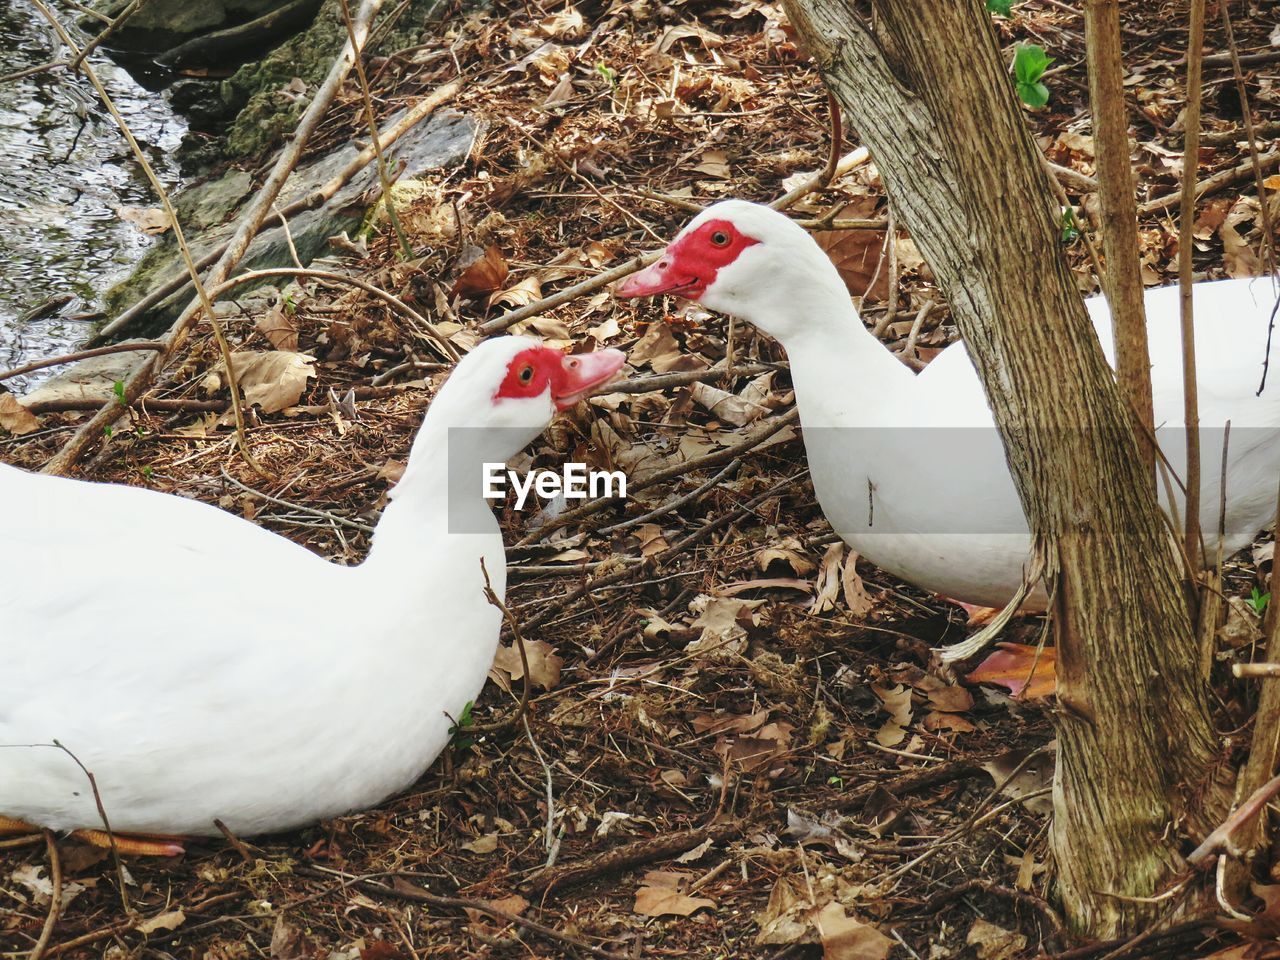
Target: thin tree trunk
(1118, 209)
(932, 99)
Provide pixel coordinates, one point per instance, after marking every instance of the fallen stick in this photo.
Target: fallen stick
(765, 430)
(182, 404)
(624, 857)
(81, 355)
(1210, 185)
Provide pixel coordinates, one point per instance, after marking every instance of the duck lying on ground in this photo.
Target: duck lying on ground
(205, 668)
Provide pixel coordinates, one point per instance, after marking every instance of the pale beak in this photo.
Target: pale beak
(580, 373)
(659, 277)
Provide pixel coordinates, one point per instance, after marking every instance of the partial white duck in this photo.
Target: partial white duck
(909, 468)
(205, 668)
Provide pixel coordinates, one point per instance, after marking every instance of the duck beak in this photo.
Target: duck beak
(657, 278)
(581, 373)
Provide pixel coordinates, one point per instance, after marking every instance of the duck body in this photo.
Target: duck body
(910, 469)
(204, 668)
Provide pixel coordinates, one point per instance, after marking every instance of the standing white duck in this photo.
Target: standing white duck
(203, 667)
(909, 468)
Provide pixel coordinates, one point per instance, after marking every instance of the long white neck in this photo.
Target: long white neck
(435, 512)
(843, 375)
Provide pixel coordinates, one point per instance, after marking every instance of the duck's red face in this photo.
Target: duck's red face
(570, 376)
(690, 263)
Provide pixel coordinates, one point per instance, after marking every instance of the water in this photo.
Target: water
(65, 170)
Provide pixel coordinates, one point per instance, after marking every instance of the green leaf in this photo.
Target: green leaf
(118, 389)
(608, 73)
(1029, 63)
(1003, 7)
(1070, 226)
(1034, 95)
(1259, 601)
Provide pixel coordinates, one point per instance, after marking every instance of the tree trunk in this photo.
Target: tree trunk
(1118, 210)
(929, 94)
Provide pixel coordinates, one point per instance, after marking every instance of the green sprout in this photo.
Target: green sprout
(1029, 64)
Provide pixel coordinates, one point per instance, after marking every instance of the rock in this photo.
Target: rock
(160, 25)
(92, 380)
(444, 139)
(268, 111)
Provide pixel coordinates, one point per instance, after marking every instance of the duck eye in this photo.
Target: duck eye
(526, 373)
(720, 238)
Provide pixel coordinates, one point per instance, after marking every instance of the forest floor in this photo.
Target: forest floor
(736, 749)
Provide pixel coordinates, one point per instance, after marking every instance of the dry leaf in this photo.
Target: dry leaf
(1033, 776)
(562, 91)
(726, 406)
(827, 586)
(1017, 667)
(897, 703)
(788, 551)
(684, 30)
(995, 943)
(14, 417)
(651, 539)
(31, 876)
(857, 253)
(170, 920)
(544, 665)
(1239, 258)
(657, 344)
(565, 23)
(487, 843)
(150, 220)
(480, 271)
(855, 591)
(278, 327)
(844, 938)
(714, 163)
(273, 380)
(660, 896)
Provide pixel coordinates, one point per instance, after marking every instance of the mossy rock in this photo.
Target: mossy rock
(267, 112)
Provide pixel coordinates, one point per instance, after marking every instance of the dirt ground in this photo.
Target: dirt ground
(734, 749)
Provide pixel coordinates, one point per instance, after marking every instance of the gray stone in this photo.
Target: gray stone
(90, 380)
(443, 140)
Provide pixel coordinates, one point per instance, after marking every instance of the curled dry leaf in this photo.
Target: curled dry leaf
(896, 701)
(661, 895)
(480, 271)
(787, 551)
(855, 591)
(844, 938)
(857, 253)
(544, 665)
(272, 380)
(1032, 776)
(169, 920)
(827, 587)
(150, 220)
(726, 406)
(278, 327)
(14, 417)
(995, 943)
(1017, 667)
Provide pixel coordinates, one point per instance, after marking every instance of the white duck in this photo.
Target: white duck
(909, 468)
(203, 667)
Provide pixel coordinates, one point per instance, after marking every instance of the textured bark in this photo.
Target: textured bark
(1118, 213)
(930, 96)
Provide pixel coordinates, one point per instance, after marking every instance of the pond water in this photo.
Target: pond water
(65, 171)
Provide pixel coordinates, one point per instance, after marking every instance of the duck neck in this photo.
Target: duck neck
(436, 510)
(842, 374)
